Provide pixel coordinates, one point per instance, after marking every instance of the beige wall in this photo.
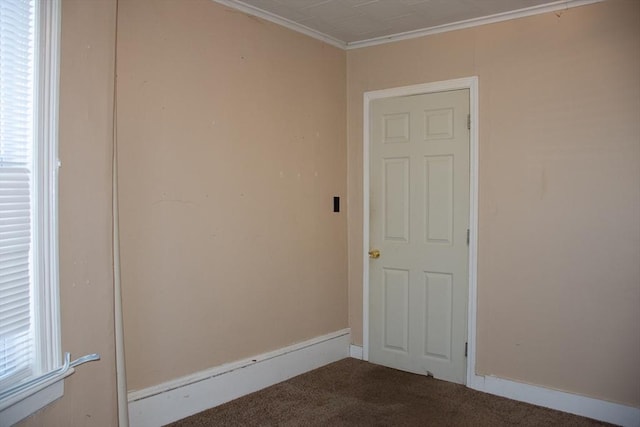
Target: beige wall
(229, 245)
(232, 143)
(86, 278)
(559, 189)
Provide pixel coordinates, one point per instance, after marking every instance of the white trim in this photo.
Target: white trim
(474, 22)
(121, 376)
(470, 83)
(45, 242)
(559, 400)
(474, 173)
(121, 372)
(365, 226)
(177, 399)
(46, 315)
(355, 351)
(287, 23)
(18, 398)
(32, 403)
(567, 402)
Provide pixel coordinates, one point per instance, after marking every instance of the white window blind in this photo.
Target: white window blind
(17, 83)
(31, 368)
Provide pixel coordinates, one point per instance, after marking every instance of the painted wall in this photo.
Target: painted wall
(559, 189)
(219, 154)
(86, 274)
(232, 144)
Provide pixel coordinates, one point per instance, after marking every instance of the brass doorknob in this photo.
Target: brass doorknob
(374, 253)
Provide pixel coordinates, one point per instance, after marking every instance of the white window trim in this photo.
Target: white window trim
(33, 399)
(24, 402)
(46, 226)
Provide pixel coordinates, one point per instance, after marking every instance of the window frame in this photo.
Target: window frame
(45, 280)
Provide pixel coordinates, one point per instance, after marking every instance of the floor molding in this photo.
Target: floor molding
(601, 410)
(177, 399)
(355, 351)
(597, 409)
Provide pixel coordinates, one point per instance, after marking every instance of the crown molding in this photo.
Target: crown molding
(252, 10)
(474, 22)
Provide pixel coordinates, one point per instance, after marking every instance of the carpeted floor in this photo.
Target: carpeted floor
(355, 393)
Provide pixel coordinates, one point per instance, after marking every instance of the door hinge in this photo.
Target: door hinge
(469, 121)
(468, 237)
(466, 348)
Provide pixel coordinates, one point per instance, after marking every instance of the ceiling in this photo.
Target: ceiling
(354, 23)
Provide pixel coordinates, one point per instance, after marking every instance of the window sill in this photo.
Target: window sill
(27, 402)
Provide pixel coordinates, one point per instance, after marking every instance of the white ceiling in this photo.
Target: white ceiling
(351, 23)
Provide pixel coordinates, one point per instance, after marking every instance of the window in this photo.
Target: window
(29, 325)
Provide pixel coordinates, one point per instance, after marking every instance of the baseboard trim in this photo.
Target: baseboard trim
(177, 399)
(601, 410)
(355, 351)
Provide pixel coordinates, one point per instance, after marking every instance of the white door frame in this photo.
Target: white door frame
(470, 83)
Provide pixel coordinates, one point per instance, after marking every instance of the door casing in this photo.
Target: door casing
(470, 83)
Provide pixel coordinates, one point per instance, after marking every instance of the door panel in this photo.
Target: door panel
(418, 220)
(438, 197)
(396, 199)
(438, 314)
(396, 309)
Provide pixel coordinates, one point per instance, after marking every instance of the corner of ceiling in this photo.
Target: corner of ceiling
(287, 23)
(341, 44)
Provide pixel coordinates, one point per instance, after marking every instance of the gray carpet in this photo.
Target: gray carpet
(355, 393)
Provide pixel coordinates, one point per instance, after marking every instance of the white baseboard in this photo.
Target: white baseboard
(601, 410)
(177, 399)
(355, 351)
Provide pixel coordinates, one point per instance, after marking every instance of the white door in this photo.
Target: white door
(419, 216)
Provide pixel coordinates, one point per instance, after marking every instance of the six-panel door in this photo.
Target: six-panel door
(419, 213)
